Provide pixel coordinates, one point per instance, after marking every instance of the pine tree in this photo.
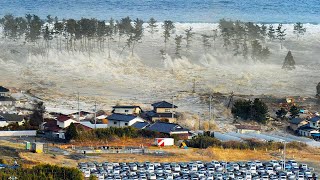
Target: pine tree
(152, 26)
(298, 29)
(168, 27)
(71, 132)
(281, 34)
(294, 111)
(245, 50)
(178, 41)
(289, 62)
(271, 33)
(189, 35)
(318, 89)
(206, 42)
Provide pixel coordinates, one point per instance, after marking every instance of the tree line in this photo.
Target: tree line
(86, 35)
(41, 172)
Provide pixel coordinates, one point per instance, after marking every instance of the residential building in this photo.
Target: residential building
(5, 99)
(295, 123)
(315, 122)
(248, 129)
(132, 110)
(163, 111)
(93, 126)
(123, 120)
(4, 92)
(6, 119)
(140, 125)
(306, 130)
(170, 129)
(64, 121)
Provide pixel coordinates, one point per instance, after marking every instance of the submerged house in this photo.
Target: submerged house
(170, 129)
(295, 123)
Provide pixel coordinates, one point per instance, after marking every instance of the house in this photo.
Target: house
(306, 130)
(248, 129)
(133, 110)
(4, 92)
(170, 129)
(295, 123)
(123, 120)
(140, 125)
(6, 119)
(315, 122)
(64, 121)
(163, 111)
(92, 125)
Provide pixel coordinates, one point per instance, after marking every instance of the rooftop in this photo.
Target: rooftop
(11, 117)
(126, 107)
(296, 120)
(63, 118)
(164, 127)
(315, 119)
(121, 117)
(3, 89)
(6, 98)
(163, 104)
(140, 125)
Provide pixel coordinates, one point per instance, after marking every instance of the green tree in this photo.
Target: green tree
(93, 177)
(246, 109)
(281, 113)
(136, 34)
(298, 29)
(168, 27)
(259, 111)
(152, 25)
(289, 62)
(242, 108)
(271, 33)
(294, 111)
(206, 42)
(318, 89)
(188, 38)
(36, 118)
(71, 132)
(281, 34)
(178, 40)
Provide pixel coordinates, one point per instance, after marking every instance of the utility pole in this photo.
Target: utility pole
(199, 120)
(210, 109)
(95, 115)
(172, 114)
(231, 99)
(284, 156)
(78, 107)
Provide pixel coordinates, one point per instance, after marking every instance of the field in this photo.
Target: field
(14, 151)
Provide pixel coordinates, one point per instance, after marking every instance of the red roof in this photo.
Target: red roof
(51, 125)
(63, 118)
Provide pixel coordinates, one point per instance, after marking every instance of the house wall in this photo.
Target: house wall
(165, 110)
(314, 124)
(6, 103)
(4, 93)
(243, 131)
(65, 123)
(111, 123)
(296, 126)
(307, 133)
(127, 110)
(171, 120)
(3, 123)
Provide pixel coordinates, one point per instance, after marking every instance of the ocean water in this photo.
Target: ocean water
(268, 11)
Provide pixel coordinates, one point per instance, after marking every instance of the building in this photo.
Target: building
(306, 130)
(295, 123)
(93, 126)
(163, 111)
(4, 92)
(64, 121)
(315, 122)
(123, 120)
(132, 110)
(140, 125)
(169, 129)
(248, 129)
(6, 119)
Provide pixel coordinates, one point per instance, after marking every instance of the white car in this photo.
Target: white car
(152, 176)
(176, 168)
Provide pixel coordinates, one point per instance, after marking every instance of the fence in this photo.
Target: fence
(18, 133)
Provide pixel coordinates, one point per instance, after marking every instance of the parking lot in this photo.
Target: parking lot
(199, 170)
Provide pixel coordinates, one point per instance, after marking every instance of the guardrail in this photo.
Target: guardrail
(18, 133)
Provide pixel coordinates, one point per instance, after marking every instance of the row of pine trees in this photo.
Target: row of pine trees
(245, 39)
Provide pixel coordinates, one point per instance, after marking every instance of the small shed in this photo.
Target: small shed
(28, 145)
(248, 129)
(37, 147)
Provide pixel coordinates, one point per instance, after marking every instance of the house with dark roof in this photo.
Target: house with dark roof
(295, 123)
(140, 125)
(123, 120)
(306, 130)
(133, 110)
(6, 119)
(248, 129)
(4, 91)
(163, 111)
(170, 129)
(315, 122)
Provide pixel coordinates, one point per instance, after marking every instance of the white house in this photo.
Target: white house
(133, 110)
(122, 120)
(64, 121)
(6, 119)
(315, 122)
(307, 131)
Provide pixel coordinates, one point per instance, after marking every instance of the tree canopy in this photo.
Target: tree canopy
(289, 62)
(246, 109)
